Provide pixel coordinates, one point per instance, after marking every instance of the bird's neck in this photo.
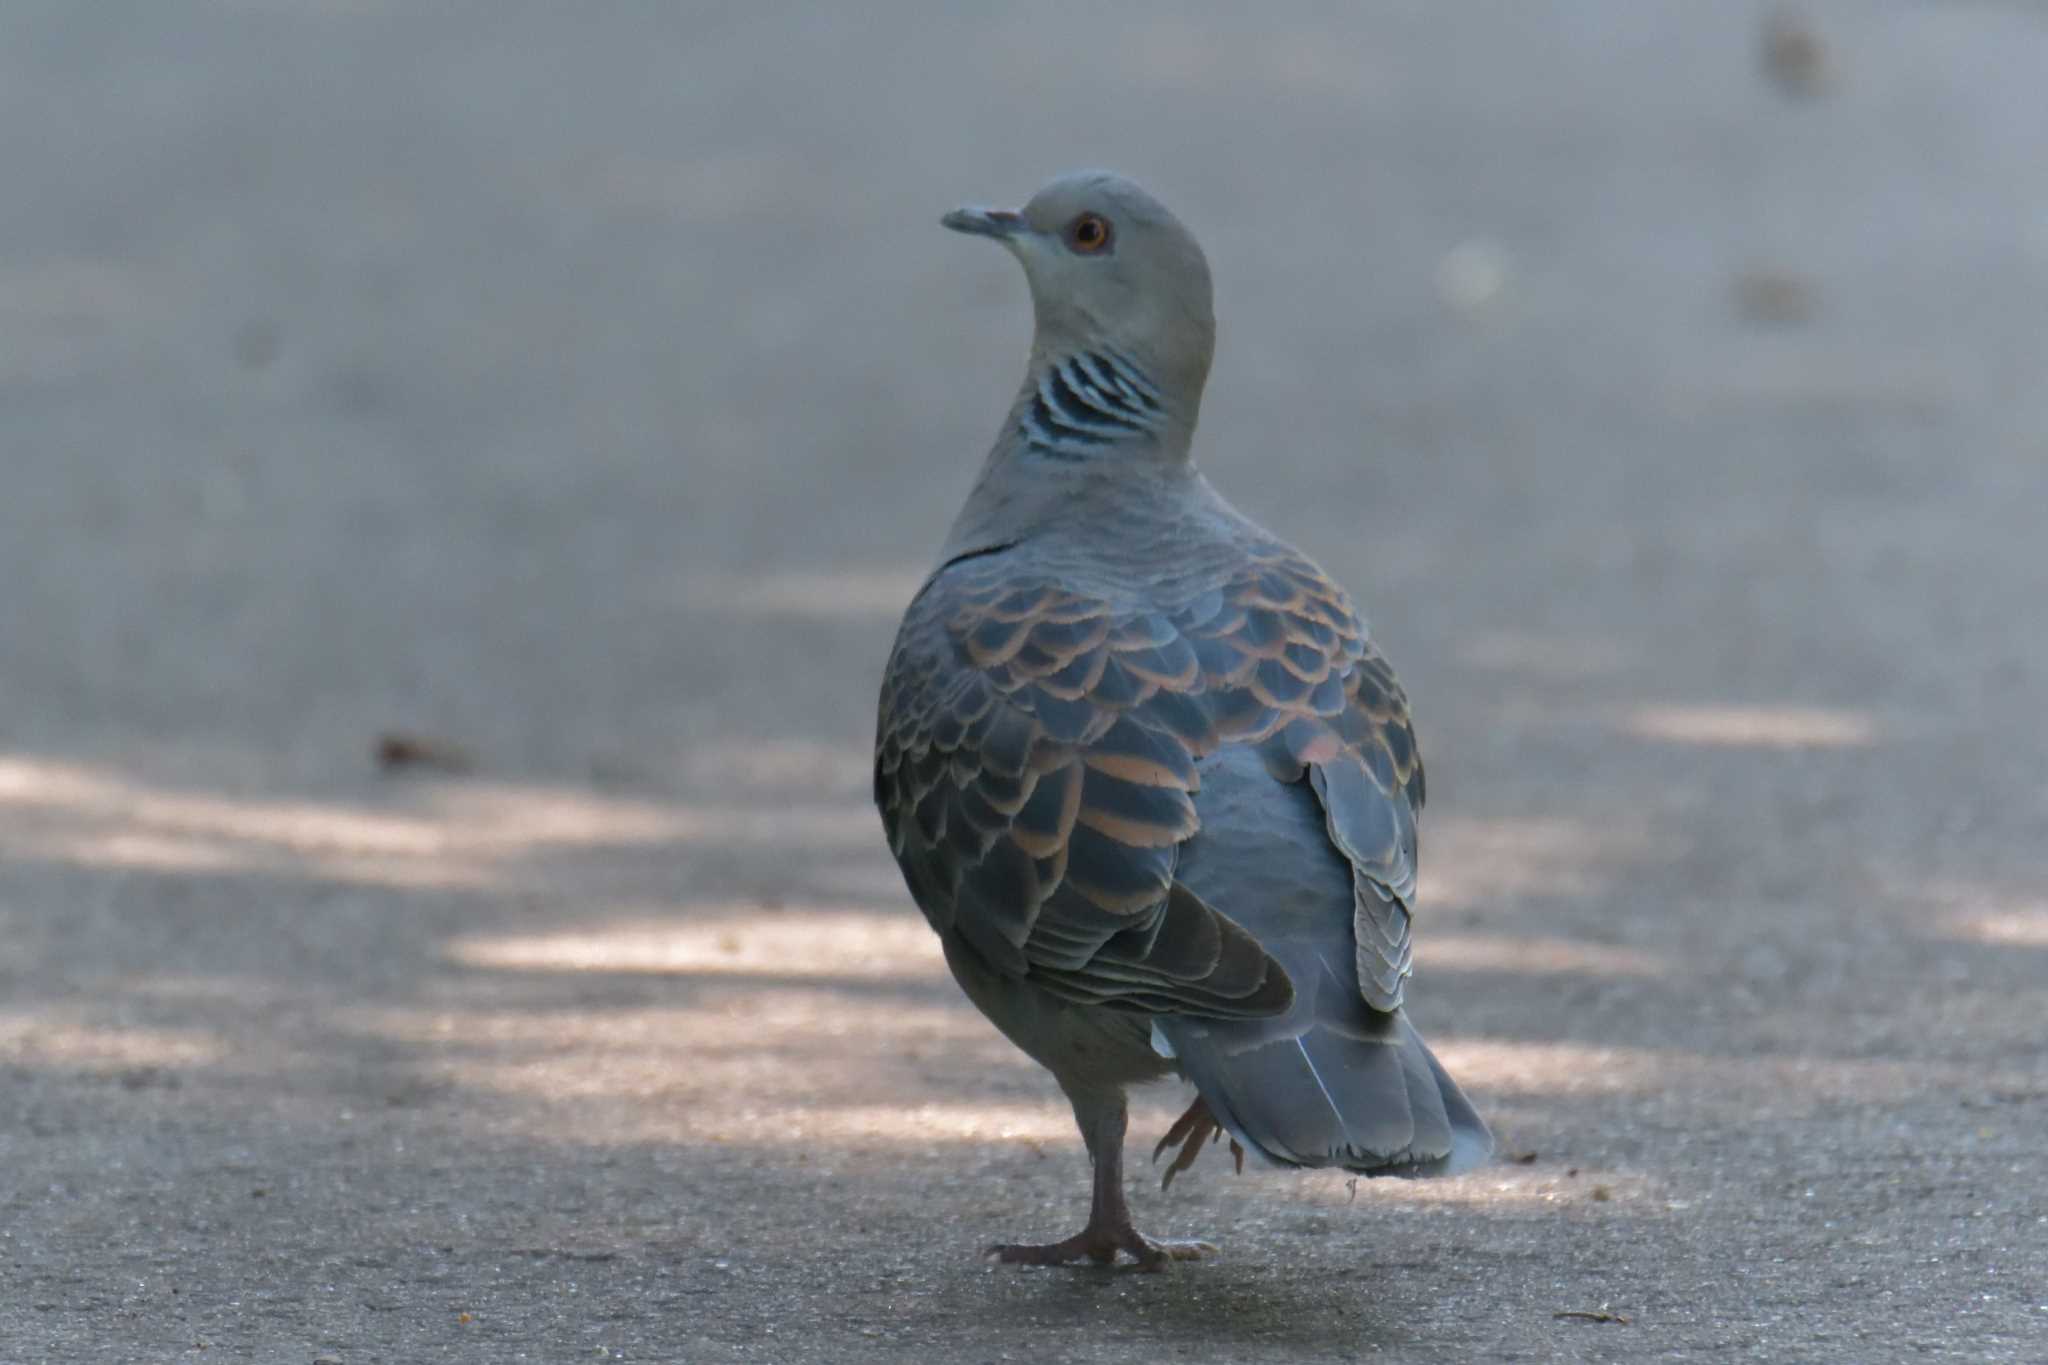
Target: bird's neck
(1092, 403)
(1092, 428)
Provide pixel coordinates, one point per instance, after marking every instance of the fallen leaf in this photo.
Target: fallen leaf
(396, 750)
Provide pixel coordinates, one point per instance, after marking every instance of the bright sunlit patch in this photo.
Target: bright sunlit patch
(29, 1040)
(1496, 1185)
(975, 1120)
(455, 834)
(92, 794)
(2025, 926)
(503, 818)
(145, 851)
(130, 849)
(1757, 727)
(1497, 861)
(1486, 1065)
(790, 943)
(1502, 953)
(38, 782)
(742, 1062)
(1761, 1082)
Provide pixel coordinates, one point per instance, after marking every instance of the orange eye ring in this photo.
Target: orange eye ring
(1089, 234)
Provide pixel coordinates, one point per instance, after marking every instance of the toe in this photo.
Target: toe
(1156, 1256)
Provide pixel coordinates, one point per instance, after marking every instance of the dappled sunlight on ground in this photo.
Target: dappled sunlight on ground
(132, 850)
(2026, 926)
(608, 1018)
(1754, 727)
(44, 785)
(756, 1064)
(1756, 1084)
(1504, 1185)
(1497, 863)
(454, 834)
(58, 1039)
(724, 993)
(731, 939)
(1509, 953)
(591, 1017)
(919, 1125)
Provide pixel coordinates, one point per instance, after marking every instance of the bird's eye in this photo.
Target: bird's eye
(1088, 234)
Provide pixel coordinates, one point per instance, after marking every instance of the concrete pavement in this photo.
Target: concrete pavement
(590, 389)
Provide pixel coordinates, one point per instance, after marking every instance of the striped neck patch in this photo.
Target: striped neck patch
(1087, 401)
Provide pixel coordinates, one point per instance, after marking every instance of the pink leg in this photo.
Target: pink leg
(1102, 1118)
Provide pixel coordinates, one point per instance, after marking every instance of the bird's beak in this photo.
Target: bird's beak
(1001, 224)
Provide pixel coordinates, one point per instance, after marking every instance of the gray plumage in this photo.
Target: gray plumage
(1140, 764)
(1333, 1081)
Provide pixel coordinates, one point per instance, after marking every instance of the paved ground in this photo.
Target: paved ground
(589, 388)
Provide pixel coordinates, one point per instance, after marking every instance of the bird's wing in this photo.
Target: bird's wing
(1036, 763)
(1289, 660)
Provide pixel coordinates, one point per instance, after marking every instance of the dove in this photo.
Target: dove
(1141, 765)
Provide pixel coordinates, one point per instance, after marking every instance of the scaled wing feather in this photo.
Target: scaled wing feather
(1036, 767)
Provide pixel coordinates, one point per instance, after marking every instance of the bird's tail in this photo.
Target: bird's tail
(1363, 1093)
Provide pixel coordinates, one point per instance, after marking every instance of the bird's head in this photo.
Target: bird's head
(1111, 270)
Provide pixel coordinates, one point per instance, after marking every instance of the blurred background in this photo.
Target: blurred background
(460, 469)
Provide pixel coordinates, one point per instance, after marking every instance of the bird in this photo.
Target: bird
(1142, 766)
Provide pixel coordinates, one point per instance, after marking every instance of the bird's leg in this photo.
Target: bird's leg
(1102, 1117)
(1191, 1130)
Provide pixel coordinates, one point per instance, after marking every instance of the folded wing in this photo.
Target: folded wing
(1036, 769)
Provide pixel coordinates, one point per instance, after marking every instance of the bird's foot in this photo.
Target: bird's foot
(1100, 1243)
(1191, 1130)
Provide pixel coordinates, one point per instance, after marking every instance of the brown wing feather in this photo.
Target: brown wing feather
(1036, 771)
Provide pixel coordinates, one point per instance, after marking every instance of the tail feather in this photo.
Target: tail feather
(1331, 1080)
(1471, 1139)
(1379, 1106)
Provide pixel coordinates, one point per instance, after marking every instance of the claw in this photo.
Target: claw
(1191, 1130)
(1101, 1245)
(1196, 1115)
